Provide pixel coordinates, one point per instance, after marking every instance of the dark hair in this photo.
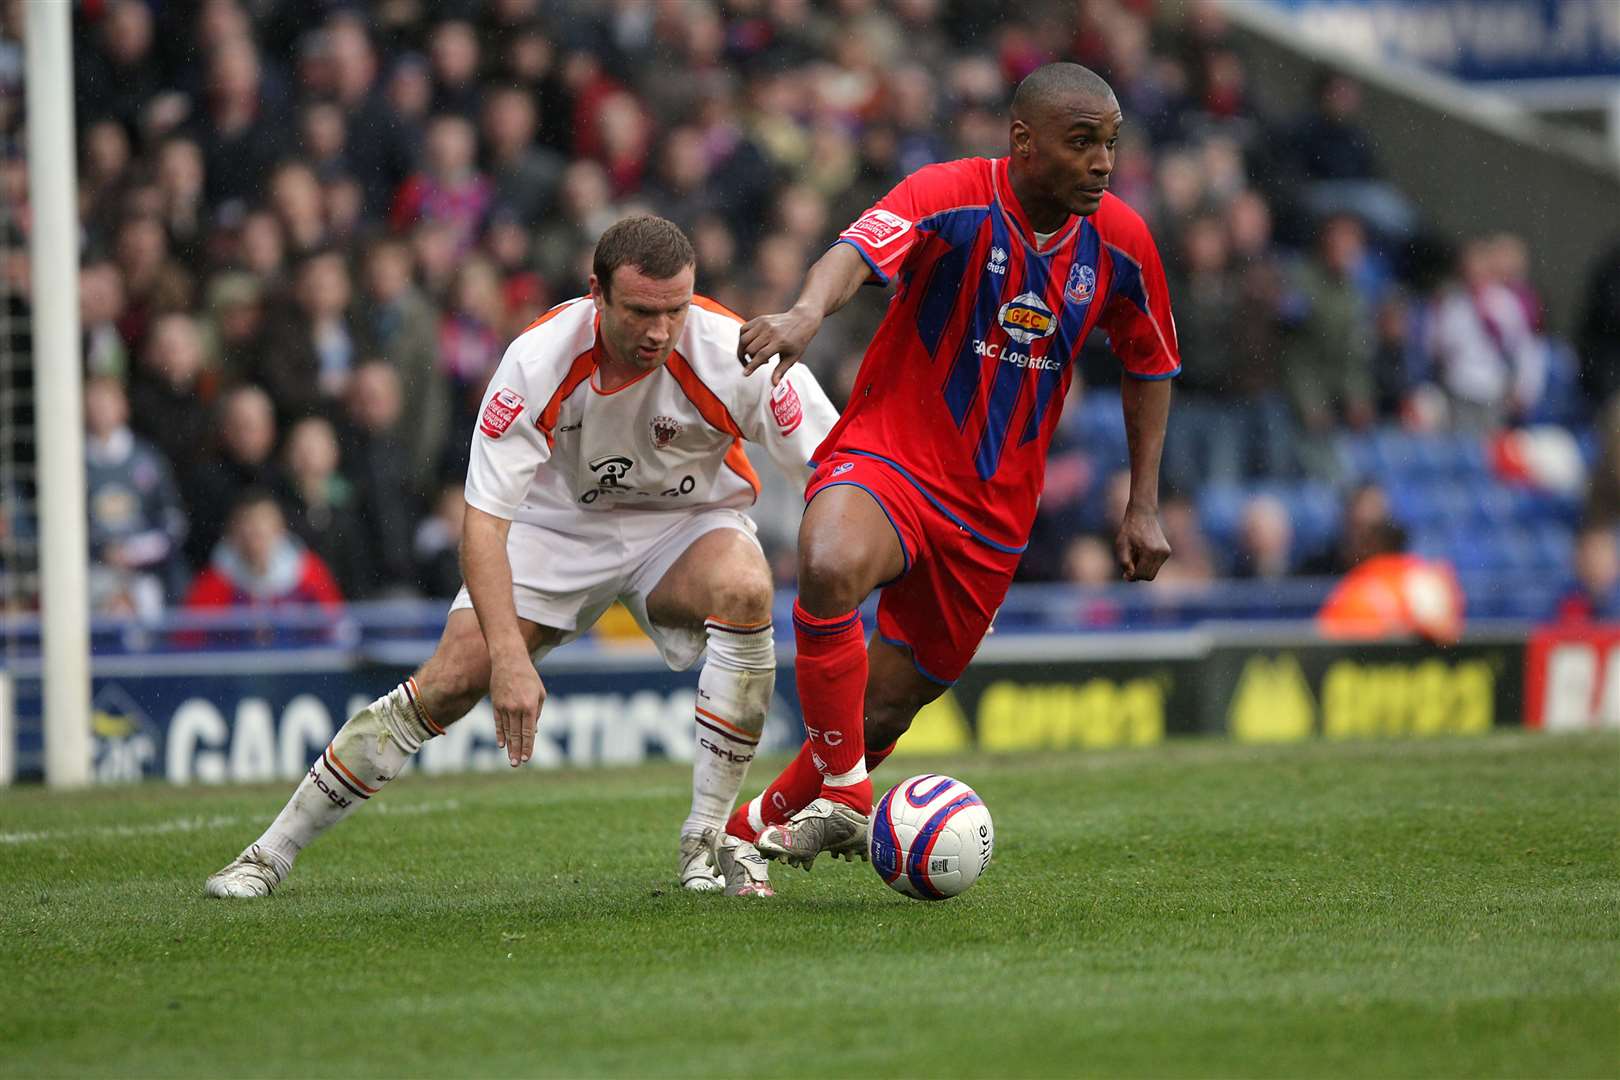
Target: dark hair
(250, 497)
(651, 244)
(1052, 83)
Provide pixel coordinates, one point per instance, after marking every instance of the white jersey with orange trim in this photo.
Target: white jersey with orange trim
(553, 449)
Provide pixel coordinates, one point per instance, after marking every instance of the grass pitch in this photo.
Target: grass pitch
(1443, 908)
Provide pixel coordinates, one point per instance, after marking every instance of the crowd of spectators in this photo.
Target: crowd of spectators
(310, 229)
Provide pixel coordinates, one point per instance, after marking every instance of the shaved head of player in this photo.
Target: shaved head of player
(641, 284)
(1065, 122)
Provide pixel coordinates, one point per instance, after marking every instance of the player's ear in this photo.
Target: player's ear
(1020, 138)
(597, 296)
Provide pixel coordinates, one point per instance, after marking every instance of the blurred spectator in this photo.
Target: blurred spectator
(525, 176)
(1594, 593)
(377, 465)
(1486, 357)
(168, 394)
(1230, 422)
(245, 439)
(585, 211)
(1366, 530)
(1603, 497)
(398, 324)
(153, 282)
(1265, 540)
(1395, 596)
(295, 195)
(136, 523)
(101, 303)
(235, 325)
(470, 344)
(260, 564)
(453, 57)
(180, 186)
(449, 189)
(238, 129)
(116, 71)
(1598, 339)
(376, 145)
(1327, 358)
(1329, 143)
(262, 247)
(320, 504)
(437, 547)
(311, 353)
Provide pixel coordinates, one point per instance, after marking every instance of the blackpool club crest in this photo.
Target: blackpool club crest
(665, 430)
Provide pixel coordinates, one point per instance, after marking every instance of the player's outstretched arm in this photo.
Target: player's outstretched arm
(1141, 546)
(514, 686)
(835, 277)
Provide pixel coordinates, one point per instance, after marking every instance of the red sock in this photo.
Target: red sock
(789, 793)
(831, 675)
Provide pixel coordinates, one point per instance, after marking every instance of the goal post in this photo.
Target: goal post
(53, 251)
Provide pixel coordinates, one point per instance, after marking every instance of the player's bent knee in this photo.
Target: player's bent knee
(830, 583)
(744, 600)
(885, 723)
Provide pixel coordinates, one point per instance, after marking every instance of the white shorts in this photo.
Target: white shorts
(567, 580)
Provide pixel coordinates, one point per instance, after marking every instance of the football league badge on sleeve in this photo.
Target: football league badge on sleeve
(1082, 283)
(502, 408)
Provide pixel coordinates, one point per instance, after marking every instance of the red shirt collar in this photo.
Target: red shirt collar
(1001, 184)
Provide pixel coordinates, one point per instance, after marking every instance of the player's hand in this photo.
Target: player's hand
(518, 695)
(786, 335)
(1141, 547)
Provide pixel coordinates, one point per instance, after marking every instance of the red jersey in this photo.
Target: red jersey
(962, 385)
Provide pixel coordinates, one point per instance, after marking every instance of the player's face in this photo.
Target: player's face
(1071, 151)
(642, 316)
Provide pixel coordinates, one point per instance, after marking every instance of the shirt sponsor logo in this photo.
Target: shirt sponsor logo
(1026, 318)
(502, 408)
(786, 407)
(665, 430)
(610, 470)
(878, 228)
(998, 261)
(996, 351)
(1081, 285)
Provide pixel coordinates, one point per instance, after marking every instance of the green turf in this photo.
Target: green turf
(1444, 908)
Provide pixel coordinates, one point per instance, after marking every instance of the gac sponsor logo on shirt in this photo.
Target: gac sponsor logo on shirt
(996, 351)
(878, 227)
(503, 407)
(1026, 318)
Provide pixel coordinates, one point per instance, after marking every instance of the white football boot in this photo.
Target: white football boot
(250, 875)
(824, 825)
(744, 869)
(698, 862)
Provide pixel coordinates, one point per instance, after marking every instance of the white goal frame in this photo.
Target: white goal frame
(53, 251)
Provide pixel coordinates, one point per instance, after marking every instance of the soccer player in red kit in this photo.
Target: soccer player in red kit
(927, 486)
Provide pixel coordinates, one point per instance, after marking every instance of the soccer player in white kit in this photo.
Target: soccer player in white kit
(608, 465)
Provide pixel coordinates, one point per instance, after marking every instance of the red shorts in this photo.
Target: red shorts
(941, 605)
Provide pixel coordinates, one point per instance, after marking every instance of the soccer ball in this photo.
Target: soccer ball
(931, 837)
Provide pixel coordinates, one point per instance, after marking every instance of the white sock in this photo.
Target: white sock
(365, 754)
(734, 694)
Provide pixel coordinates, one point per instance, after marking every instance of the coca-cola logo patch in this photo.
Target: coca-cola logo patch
(503, 407)
(879, 227)
(786, 407)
